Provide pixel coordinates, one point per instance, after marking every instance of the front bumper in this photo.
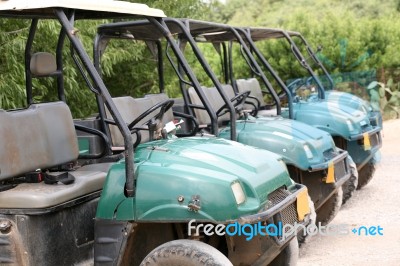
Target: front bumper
(288, 207)
(375, 130)
(363, 147)
(337, 167)
(280, 200)
(324, 179)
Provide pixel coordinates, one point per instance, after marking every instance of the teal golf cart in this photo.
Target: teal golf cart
(351, 128)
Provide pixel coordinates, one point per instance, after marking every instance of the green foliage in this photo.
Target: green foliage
(128, 69)
(353, 39)
(13, 37)
(12, 84)
(356, 36)
(385, 98)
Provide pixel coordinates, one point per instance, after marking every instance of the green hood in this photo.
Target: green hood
(331, 117)
(350, 100)
(189, 167)
(299, 144)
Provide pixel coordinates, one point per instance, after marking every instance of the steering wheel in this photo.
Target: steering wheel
(295, 85)
(152, 122)
(238, 101)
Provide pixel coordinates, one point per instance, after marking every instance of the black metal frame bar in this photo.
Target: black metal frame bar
(104, 94)
(28, 55)
(265, 63)
(247, 52)
(316, 60)
(183, 65)
(298, 55)
(185, 27)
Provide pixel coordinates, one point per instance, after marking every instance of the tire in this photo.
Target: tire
(185, 253)
(330, 208)
(366, 173)
(301, 238)
(288, 256)
(351, 184)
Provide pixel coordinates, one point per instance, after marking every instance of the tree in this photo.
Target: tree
(13, 36)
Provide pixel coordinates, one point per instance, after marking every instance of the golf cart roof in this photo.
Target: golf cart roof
(85, 9)
(198, 27)
(142, 30)
(258, 34)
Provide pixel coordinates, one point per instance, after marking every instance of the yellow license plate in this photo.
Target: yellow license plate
(303, 207)
(367, 142)
(330, 178)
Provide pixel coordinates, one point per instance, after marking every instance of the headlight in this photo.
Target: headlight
(283, 163)
(350, 125)
(364, 109)
(308, 151)
(238, 192)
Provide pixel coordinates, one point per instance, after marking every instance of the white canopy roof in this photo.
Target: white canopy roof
(86, 8)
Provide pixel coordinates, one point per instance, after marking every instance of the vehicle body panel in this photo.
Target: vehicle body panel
(193, 166)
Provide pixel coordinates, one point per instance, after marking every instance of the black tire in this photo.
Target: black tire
(366, 173)
(288, 256)
(330, 208)
(185, 253)
(351, 184)
(301, 238)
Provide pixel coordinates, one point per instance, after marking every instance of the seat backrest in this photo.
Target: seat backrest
(254, 87)
(202, 116)
(39, 137)
(216, 101)
(43, 64)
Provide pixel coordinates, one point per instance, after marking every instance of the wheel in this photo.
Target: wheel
(351, 184)
(366, 173)
(288, 256)
(185, 253)
(301, 238)
(330, 208)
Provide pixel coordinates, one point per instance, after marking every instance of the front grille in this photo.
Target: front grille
(375, 140)
(289, 214)
(278, 196)
(341, 169)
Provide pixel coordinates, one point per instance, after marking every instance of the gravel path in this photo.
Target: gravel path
(376, 204)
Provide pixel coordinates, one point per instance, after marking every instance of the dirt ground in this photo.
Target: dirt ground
(377, 204)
